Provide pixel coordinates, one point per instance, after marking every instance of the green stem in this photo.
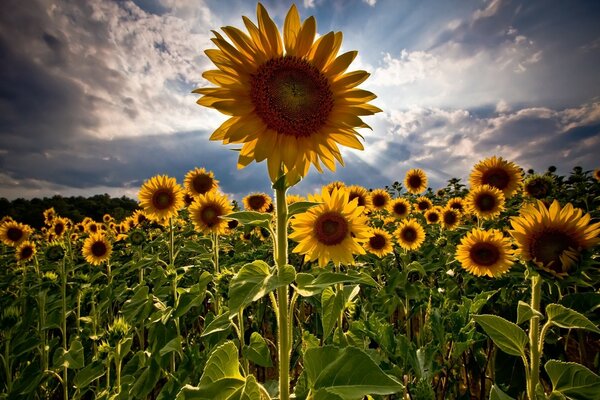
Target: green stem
(534, 336)
(118, 366)
(241, 332)
(7, 366)
(215, 250)
(64, 327)
(283, 322)
(173, 270)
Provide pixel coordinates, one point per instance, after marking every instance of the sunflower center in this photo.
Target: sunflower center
(26, 252)
(14, 234)
(485, 202)
(256, 202)
(59, 229)
(456, 206)
(537, 188)
(291, 96)
(400, 208)
(162, 199)
(433, 217)
(423, 205)
(210, 216)
(549, 246)
(361, 199)
(202, 183)
(449, 218)
(409, 234)
(377, 242)
(331, 228)
(496, 177)
(485, 254)
(99, 249)
(414, 181)
(379, 200)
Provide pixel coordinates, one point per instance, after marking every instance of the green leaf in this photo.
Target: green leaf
(89, 374)
(139, 306)
(525, 312)
(480, 300)
(258, 351)
(250, 390)
(497, 394)
(254, 281)
(174, 345)
(348, 373)
(566, 318)
(219, 324)
(332, 304)
(573, 380)
(193, 296)
(146, 382)
(300, 207)
(73, 358)
(508, 336)
(251, 218)
(309, 285)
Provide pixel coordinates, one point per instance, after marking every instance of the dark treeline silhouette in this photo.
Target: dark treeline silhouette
(75, 208)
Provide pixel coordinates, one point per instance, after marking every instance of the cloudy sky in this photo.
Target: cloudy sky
(95, 95)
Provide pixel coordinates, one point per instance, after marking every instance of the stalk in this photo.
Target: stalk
(215, 250)
(64, 327)
(534, 337)
(174, 281)
(245, 364)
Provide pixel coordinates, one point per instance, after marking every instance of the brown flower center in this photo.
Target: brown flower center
(400, 209)
(457, 206)
(423, 205)
(99, 249)
(14, 234)
(361, 200)
(537, 188)
(450, 218)
(414, 181)
(256, 202)
(409, 234)
(485, 254)
(331, 228)
(379, 200)
(26, 253)
(209, 215)
(202, 183)
(291, 96)
(485, 202)
(163, 199)
(377, 241)
(59, 228)
(549, 246)
(496, 177)
(433, 217)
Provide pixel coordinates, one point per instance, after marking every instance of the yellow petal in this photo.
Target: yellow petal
(291, 29)
(269, 31)
(306, 37)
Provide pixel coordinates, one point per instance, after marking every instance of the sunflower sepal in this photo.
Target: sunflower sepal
(251, 218)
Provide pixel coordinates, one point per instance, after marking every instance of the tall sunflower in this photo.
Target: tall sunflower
(379, 243)
(289, 101)
(485, 253)
(59, 227)
(485, 202)
(97, 249)
(423, 204)
(499, 173)
(25, 251)
(207, 211)
(161, 197)
(400, 207)
(415, 181)
(380, 199)
(362, 194)
(553, 238)
(200, 181)
(410, 235)
(14, 233)
(49, 215)
(260, 202)
(332, 231)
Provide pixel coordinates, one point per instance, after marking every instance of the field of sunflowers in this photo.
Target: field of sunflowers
(483, 290)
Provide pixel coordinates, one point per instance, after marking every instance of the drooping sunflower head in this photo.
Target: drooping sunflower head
(49, 215)
(380, 199)
(433, 215)
(423, 204)
(485, 202)
(400, 207)
(161, 198)
(200, 181)
(410, 235)
(25, 251)
(14, 233)
(290, 101)
(363, 196)
(379, 243)
(208, 210)
(450, 218)
(499, 173)
(415, 181)
(332, 231)
(260, 202)
(97, 249)
(553, 238)
(485, 253)
(456, 203)
(538, 186)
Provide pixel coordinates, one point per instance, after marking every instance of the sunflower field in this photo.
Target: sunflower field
(488, 289)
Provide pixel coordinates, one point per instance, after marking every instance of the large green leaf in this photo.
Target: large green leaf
(73, 358)
(309, 285)
(525, 312)
(348, 373)
(193, 296)
(508, 336)
(251, 218)
(567, 318)
(253, 281)
(497, 394)
(89, 374)
(332, 304)
(139, 306)
(573, 380)
(300, 207)
(258, 351)
(146, 382)
(219, 324)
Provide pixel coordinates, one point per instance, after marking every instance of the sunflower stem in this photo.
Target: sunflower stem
(283, 322)
(65, 380)
(215, 250)
(534, 336)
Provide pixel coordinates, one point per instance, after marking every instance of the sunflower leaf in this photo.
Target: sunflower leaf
(508, 336)
(251, 218)
(573, 380)
(300, 207)
(497, 394)
(332, 304)
(309, 285)
(258, 351)
(525, 312)
(566, 318)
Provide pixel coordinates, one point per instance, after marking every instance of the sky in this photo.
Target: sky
(95, 95)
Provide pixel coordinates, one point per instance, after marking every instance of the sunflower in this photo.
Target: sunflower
(485, 253)
(161, 198)
(538, 186)
(400, 207)
(207, 211)
(380, 199)
(334, 185)
(456, 203)
(139, 217)
(379, 243)
(200, 181)
(450, 218)
(362, 194)
(59, 227)
(553, 237)
(423, 204)
(107, 218)
(290, 102)
(415, 181)
(597, 174)
(433, 215)
(25, 251)
(14, 233)
(293, 198)
(333, 230)
(97, 249)
(497, 172)
(49, 215)
(410, 235)
(485, 201)
(260, 202)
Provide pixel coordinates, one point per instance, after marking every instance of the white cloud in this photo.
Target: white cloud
(309, 3)
(370, 2)
(409, 67)
(491, 10)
